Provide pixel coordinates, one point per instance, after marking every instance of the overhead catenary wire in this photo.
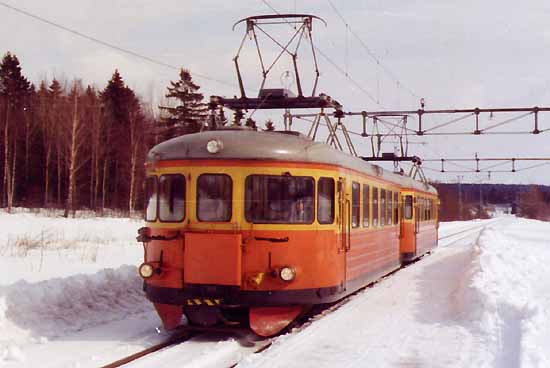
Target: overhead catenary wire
(332, 63)
(108, 44)
(373, 56)
(354, 132)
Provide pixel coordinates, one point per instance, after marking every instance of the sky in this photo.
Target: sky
(454, 55)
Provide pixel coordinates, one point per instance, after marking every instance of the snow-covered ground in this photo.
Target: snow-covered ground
(70, 297)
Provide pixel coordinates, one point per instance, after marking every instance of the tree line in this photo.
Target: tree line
(68, 145)
(471, 201)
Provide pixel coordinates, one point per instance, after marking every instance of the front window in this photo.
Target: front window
(271, 199)
(151, 198)
(172, 198)
(325, 200)
(214, 197)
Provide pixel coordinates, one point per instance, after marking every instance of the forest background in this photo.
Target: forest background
(67, 145)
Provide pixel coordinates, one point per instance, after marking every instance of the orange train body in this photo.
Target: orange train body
(257, 233)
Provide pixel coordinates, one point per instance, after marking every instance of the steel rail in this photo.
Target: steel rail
(173, 340)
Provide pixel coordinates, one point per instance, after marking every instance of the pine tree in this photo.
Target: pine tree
(124, 123)
(14, 90)
(190, 112)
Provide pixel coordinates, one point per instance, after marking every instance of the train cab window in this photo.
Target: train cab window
(172, 198)
(366, 206)
(408, 207)
(214, 197)
(395, 207)
(151, 198)
(355, 204)
(382, 207)
(325, 200)
(375, 207)
(285, 199)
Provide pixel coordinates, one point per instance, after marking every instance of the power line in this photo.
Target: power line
(107, 44)
(371, 53)
(334, 65)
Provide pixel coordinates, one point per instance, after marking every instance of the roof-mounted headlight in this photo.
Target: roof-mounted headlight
(214, 146)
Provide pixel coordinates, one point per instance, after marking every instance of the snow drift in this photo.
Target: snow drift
(37, 312)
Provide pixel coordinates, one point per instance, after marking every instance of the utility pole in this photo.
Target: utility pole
(480, 199)
(459, 177)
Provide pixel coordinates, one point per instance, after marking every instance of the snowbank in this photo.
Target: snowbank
(62, 275)
(37, 312)
(502, 302)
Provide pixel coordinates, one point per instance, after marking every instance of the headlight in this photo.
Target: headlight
(287, 274)
(146, 270)
(214, 146)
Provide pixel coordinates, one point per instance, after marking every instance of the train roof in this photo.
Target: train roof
(243, 143)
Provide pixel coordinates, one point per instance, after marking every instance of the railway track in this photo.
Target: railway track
(464, 233)
(262, 345)
(176, 338)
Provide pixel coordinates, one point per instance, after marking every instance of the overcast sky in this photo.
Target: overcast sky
(492, 53)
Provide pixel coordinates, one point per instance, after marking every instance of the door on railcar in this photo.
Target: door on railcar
(409, 227)
(344, 200)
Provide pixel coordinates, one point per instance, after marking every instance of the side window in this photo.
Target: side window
(382, 207)
(425, 203)
(408, 207)
(389, 205)
(274, 199)
(151, 198)
(395, 207)
(325, 200)
(366, 206)
(172, 198)
(375, 207)
(425, 207)
(355, 204)
(214, 197)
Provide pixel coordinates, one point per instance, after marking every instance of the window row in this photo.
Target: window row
(426, 209)
(268, 199)
(380, 206)
(274, 199)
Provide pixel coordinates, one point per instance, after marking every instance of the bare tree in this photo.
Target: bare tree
(76, 162)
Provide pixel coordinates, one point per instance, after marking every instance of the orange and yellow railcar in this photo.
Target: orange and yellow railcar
(246, 227)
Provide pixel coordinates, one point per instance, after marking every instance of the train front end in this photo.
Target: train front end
(234, 239)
